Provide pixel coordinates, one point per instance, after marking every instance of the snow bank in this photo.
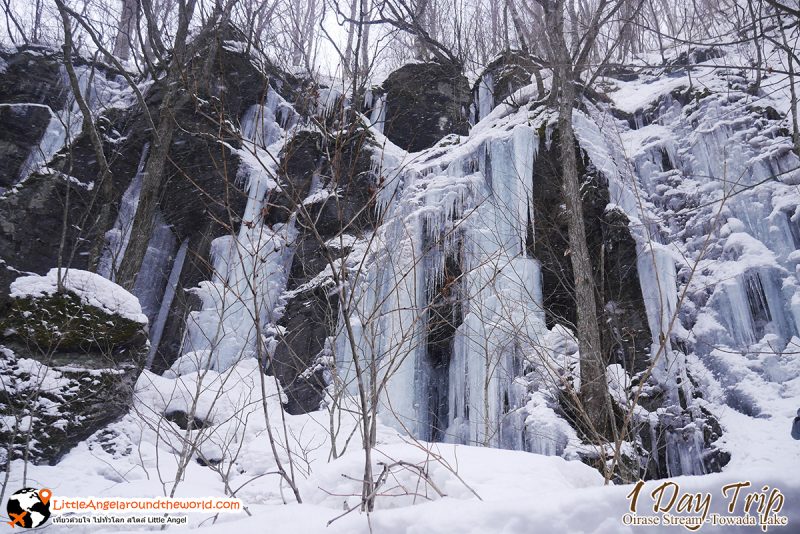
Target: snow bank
(453, 472)
(93, 290)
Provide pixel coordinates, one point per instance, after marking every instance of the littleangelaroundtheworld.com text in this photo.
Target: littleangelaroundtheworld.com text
(155, 504)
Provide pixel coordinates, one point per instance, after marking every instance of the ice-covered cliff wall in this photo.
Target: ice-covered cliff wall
(703, 182)
(716, 168)
(443, 275)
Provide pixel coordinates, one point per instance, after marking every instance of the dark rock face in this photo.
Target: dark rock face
(195, 269)
(349, 174)
(34, 213)
(310, 316)
(510, 71)
(7, 275)
(620, 72)
(62, 322)
(33, 75)
(443, 318)
(21, 128)
(202, 179)
(30, 89)
(68, 369)
(87, 397)
(693, 56)
(624, 329)
(625, 333)
(301, 160)
(32, 218)
(425, 102)
(62, 196)
(203, 196)
(311, 309)
(29, 85)
(33, 87)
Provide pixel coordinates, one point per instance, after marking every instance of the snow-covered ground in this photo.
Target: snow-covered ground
(471, 489)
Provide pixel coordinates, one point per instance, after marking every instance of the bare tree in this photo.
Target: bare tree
(173, 100)
(105, 185)
(125, 33)
(781, 6)
(567, 69)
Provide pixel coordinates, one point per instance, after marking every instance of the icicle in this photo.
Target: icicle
(264, 124)
(166, 303)
(485, 96)
(684, 450)
(52, 140)
(118, 237)
(66, 124)
(152, 277)
(250, 268)
(481, 211)
(657, 276)
(378, 115)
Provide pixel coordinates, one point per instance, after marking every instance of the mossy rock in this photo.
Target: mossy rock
(62, 322)
(44, 423)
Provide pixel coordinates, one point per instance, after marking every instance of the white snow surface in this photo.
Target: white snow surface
(93, 290)
(484, 490)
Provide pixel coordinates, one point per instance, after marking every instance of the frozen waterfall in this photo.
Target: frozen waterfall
(450, 266)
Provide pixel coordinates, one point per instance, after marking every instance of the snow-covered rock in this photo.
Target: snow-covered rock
(69, 360)
(92, 290)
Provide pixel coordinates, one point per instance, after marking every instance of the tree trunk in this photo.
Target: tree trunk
(519, 27)
(365, 41)
(127, 19)
(754, 88)
(420, 17)
(174, 98)
(37, 21)
(594, 389)
(351, 34)
(297, 25)
(792, 90)
(105, 182)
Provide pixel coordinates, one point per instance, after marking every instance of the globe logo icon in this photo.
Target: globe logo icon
(29, 507)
